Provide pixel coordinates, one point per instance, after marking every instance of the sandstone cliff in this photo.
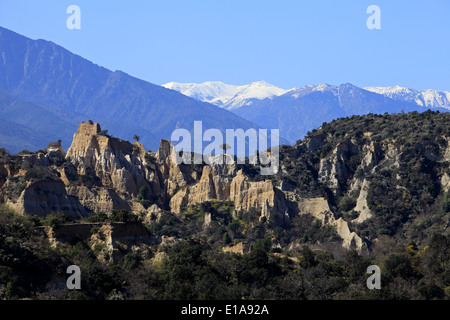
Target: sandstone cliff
(337, 178)
(119, 164)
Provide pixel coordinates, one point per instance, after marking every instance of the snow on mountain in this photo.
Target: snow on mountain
(306, 108)
(214, 92)
(427, 98)
(225, 95)
(233, 97)
(396, 92)
(434, 99)
(302, 91)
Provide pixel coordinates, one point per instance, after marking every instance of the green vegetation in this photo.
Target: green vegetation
(405, 194)
(54, 219)
(3, 152)
(193, 269)
(114, 216)
(145, 197)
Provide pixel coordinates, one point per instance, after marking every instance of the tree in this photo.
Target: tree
(182, 268)
(224, 147)
(136, 138)
(264, 244)
(3, 152)
(54, 144)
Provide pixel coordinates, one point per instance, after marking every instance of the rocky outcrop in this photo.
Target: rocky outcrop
(103, 238)
(315, 206)
(350, 240)
(315, 143)
(101, 173)
(44, 197)
(173, 176)
(445, 181)
(117, 163)
(3, 174)
(239, 248)
(243, 193)
(98, 199)
(320, 209)
(120, 167)
(333, 170)
(361, 204)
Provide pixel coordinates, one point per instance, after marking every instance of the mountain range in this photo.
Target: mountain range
(428, 98)
(298, 110)
(46, 91)
(232, 97)
(49, 91)
(225, 95)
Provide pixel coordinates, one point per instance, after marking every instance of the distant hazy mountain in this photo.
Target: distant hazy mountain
(306, 108)
(299, 110)
(225, 95)
(428, 98)
(13, 135)
(66, 88)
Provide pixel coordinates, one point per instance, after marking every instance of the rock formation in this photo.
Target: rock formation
(119, 164)
(101, 173)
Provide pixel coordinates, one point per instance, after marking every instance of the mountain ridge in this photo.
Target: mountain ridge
(49, 76)
(428, 98)
(225, 95)
(299, 111)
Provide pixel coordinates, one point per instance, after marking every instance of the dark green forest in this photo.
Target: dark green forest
(195, 269)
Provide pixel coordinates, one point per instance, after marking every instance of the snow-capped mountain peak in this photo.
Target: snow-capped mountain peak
(427, 98)
(225, 95)
(214, 92)
(234, 97)
(395, 92)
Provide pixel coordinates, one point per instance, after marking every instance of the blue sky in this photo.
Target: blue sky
(286, 43)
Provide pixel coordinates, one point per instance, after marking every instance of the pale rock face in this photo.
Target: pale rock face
(445, 181)
(261, 194)
(370, 159)
(208, 219)
(361, 204)
(43, 197)
(326, 174)
(245, 194)
(239, 248)
(118, 163)
(98, 200)
(153, 210)
(103, 239)
(315, 206)
(368, 163)
(172, 175)
(320, 209)
(393, 155)
(332, 168)
(446, 156)
(351, 240)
